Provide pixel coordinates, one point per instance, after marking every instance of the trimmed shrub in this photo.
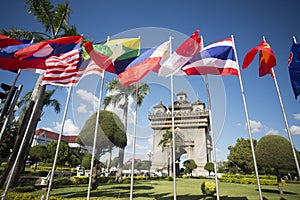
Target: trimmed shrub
(208, 188)
(80, 179)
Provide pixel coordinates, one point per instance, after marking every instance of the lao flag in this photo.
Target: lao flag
(294, 68)
(217, 58)
(141, 66)
(8, 46)
(181, 56)
(37, 53)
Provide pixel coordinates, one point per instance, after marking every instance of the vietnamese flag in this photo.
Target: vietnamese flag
(267, 59)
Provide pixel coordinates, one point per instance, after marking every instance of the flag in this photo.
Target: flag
(34, 55)
(294, 68)
(267, 58)
(114, 55)
(8, 46)
(141, 66)
(68, 69)
(217, 58)
(181, 56)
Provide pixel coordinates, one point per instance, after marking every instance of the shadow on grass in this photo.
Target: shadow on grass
(277, 191)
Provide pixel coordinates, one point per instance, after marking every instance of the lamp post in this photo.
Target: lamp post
(149, 154)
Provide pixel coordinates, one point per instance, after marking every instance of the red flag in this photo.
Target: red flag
(267, 59)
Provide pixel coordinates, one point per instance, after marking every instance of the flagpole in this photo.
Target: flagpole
(134, 141)
(95, 132)
(285, 121)
(95, 135)
(17, 158)
(212, 136)
(58, 142)
(248, 123)
(173, 128)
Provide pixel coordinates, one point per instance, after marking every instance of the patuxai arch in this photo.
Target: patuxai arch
(191, 135)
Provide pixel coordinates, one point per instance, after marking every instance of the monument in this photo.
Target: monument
(191, 123)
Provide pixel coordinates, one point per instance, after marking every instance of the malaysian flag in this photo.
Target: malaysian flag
(68, 69)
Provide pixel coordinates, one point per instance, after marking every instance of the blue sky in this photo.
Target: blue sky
(154, 21)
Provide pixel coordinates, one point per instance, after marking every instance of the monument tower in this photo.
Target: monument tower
(191, 134)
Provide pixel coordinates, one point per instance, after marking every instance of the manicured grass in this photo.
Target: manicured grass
(187, 189)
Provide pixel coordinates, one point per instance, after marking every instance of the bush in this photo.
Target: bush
(184, 176)
(62, 181)
(170, 178)
(23, 189)
(208, 188)
(80, 179)
(3, 164)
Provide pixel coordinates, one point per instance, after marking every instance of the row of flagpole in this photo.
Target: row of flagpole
(173, 134)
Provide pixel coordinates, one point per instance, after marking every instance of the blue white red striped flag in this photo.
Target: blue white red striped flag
(217, 58)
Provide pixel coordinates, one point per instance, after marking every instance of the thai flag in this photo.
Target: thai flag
(141, 66)
(217, 59)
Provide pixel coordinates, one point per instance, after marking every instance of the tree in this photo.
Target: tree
(240, 155)
(111, 132)
(38, 153)
(189, 165)
(55, 22)
(122, 94)
(210, 167)
(64, 154)
(274, 154)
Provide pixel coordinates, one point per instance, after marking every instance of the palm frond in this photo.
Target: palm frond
(19, 34)
(43, 12)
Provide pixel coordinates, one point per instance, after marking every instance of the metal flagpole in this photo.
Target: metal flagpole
(133, 142)
(95, 135)
(212, 136)
(17, 158)
(248, 123)
(173, 127)
(284, 115)
(58, 143)
(285, 121)
(95, 132)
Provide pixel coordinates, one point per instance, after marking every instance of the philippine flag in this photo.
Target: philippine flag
(149, 60)
(181, 56)
(217, 59)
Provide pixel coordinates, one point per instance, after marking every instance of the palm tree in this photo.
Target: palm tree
(166, 141)
(55, 22)
(123, 94)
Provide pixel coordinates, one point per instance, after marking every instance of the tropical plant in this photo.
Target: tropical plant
(55, 21)
(120, 96)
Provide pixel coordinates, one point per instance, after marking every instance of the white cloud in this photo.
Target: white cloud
(141, 147)
(82, 108)
(87, 96)
(69, 129)
(272, 132)
(256, 126)
(295, 130)
(297, 116)
(116, 109)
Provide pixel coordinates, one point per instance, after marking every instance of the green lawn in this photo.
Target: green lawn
(187, 189)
